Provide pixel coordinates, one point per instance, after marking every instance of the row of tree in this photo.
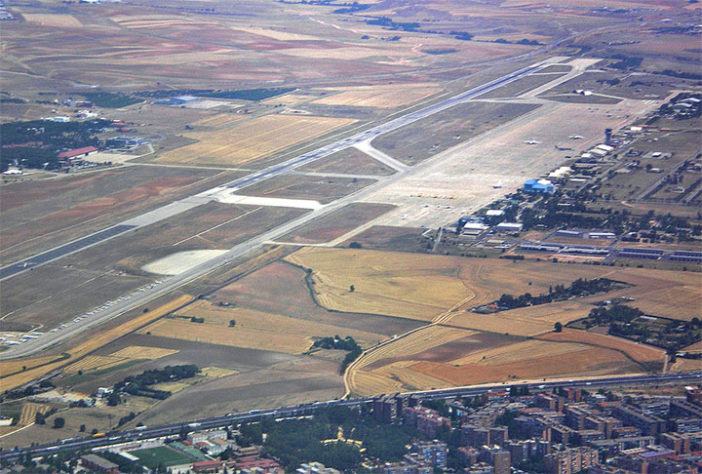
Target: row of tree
(345, 344)
(580, 287)
(139, 384)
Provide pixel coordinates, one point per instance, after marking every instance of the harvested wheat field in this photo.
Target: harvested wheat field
(173, 387)
(253, 329)
(218, 121)
(584, 360)
(251, 139)
(634, 350)
(410, 379)
(671, 294)
(217, 372)
(420, 341)
(144, 352)
(501, 323)
(387, 96)
(530, 359)
(696, 347)
(29, 412)
(56, 20)
(12, 366)
(420, 286)
(685, 365)
(527, 321)
(94, 363)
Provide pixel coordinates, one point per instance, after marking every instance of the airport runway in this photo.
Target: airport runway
(167, 284)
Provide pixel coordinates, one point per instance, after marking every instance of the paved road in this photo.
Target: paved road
(176, 429)
(166, 285)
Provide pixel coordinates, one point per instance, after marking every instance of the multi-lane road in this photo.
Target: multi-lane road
(114, 438)
(166, 285)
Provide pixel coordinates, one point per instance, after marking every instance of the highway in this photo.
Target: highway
(176, 429)
(143, 295)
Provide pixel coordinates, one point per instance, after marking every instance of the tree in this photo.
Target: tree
(232, 323)
(558, 327)
(59, 422)
(82, 428)
(114, 399)
(39, 418)
(352, 289)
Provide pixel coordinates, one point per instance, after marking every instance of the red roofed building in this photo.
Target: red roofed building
(207, 466)
(77, 153)
(256, 464)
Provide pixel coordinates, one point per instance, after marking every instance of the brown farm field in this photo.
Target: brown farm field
(424, 138)
(468, 348)
(337, 223)
(253, 329)
(250, 140)
(385, 282)
(349, 161)
(283, 289)
(633, 350)
(465, 358)
(56, 20)
(423, 286)
(318, 188)
(388, 96)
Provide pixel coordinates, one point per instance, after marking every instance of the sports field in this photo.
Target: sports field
(161, 456)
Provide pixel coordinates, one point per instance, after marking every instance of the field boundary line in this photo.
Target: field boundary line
(17, 430)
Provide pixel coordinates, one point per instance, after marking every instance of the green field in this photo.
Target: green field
(161, 456)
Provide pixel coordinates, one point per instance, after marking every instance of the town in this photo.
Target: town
(563, 430)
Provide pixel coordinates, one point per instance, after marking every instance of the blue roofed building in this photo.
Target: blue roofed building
(539, 186)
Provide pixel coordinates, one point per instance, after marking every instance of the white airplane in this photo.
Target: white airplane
(531, 142)
(575, 137)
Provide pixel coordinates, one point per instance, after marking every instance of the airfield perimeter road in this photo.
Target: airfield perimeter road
(175, 429)
(166, 285)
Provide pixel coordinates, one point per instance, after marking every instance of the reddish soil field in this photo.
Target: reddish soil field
(590, 361)
(638, 352)
(452, 350)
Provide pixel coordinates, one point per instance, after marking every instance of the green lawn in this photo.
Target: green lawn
(163, 455)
